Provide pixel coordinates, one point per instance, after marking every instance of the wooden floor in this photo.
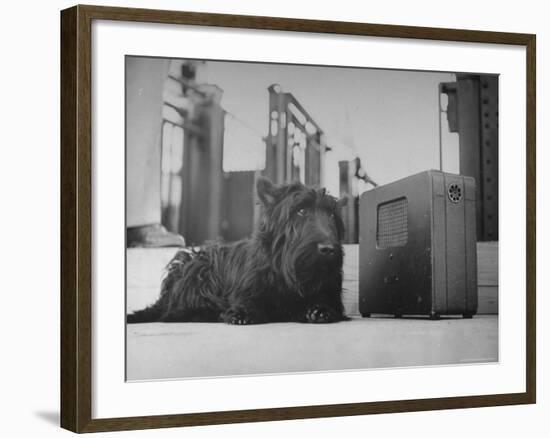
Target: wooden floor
(163, 351)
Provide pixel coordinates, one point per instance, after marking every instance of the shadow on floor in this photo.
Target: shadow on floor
(51, 417)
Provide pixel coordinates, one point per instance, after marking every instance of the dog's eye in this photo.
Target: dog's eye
(303, 212)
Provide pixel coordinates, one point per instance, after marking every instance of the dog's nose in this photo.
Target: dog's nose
(326, 249)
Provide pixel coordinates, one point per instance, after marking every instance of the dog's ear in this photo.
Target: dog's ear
(342, 202)
(267, 191)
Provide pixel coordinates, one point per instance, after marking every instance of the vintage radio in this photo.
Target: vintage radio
(417, 247)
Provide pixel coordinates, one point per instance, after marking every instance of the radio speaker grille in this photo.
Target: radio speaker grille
(392, 230)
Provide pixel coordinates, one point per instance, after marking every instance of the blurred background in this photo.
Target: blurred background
(198, 134)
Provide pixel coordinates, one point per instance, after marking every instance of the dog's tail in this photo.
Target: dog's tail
(149, 314)
(174, 271)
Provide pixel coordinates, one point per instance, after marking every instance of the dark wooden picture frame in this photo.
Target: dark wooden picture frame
(76, 218)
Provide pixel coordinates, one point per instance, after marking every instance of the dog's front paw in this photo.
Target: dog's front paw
(239, 317)
(321, 314)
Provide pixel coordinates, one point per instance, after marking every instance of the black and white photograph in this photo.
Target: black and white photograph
(275, 219)
(285, 218)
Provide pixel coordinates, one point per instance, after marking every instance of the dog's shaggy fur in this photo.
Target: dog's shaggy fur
(290, 270)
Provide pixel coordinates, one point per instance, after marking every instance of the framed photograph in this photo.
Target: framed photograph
(269, 218)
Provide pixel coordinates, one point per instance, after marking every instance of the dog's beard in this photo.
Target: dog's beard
(306, 269)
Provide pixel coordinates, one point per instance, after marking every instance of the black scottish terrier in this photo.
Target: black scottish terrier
(290, 270)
